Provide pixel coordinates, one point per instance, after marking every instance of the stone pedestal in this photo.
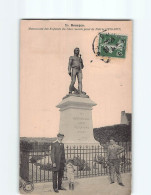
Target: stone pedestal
(76, 120)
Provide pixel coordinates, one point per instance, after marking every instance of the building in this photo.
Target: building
(126, 118)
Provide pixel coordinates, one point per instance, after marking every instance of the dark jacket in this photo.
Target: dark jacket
(58, 155)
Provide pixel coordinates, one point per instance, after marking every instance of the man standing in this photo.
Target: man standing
(58, 162)
(114, 162)
(75, 70)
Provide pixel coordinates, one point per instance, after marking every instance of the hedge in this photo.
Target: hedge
(120, 133)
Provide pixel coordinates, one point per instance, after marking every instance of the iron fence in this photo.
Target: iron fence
(89, 161)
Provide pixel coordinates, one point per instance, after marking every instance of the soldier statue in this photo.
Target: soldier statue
(75, 67)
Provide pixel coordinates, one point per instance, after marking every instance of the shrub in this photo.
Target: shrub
(121, 133)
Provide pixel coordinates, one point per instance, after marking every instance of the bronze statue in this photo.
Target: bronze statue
(75, 70)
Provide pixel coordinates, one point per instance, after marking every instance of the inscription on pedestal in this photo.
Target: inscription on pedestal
(76, 120)
(81, 122)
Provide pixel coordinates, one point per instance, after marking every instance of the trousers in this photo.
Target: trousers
(57, 178)
(114, 167)
(76, 73)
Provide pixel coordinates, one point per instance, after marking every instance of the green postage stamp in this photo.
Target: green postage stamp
(112, 45)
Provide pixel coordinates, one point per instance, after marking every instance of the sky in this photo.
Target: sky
(44, 79)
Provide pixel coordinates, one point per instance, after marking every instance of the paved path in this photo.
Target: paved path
(87, 186)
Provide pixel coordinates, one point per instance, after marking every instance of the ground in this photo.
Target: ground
(87, 186)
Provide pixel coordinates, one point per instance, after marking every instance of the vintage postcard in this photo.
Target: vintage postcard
(75, 107)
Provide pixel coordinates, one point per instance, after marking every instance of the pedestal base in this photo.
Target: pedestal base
(76, 120)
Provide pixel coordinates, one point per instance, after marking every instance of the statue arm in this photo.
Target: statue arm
(69, 66)
(82, 65)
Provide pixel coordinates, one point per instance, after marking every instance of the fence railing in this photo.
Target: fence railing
(36, 165)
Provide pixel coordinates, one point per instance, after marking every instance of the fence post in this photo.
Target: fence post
(24, 165)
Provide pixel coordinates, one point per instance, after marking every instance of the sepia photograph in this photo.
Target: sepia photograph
(75, 107)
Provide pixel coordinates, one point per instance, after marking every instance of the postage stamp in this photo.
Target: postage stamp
(112, 45)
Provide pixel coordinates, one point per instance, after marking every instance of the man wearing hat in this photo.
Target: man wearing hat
(58, 162)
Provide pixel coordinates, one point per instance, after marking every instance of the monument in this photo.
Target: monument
(76, 107)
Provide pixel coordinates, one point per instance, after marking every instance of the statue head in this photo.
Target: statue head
(76, 51)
